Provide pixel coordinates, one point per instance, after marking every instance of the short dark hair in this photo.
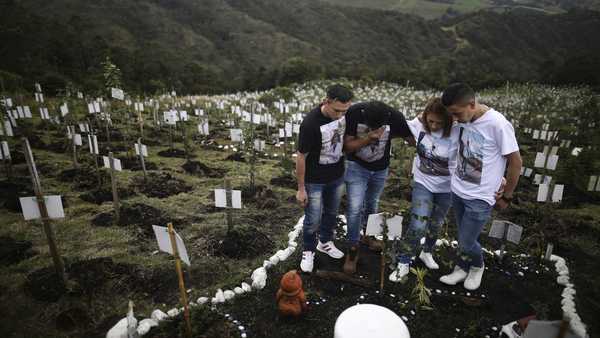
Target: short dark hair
(435, 107)
(339, 93)
(457, 93)
(376, 114)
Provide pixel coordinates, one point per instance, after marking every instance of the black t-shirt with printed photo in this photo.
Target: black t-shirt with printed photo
(374, 156)
(321, 139)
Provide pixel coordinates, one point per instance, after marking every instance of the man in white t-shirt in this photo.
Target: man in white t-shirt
(487, 148)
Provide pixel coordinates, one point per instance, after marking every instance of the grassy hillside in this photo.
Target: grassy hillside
(225, 45)
(434, 9)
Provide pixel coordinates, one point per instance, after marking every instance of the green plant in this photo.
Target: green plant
(420, 292)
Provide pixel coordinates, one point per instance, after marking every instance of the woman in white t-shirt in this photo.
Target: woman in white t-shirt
(431, 198)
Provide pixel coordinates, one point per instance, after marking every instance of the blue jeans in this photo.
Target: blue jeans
(321, 211)
(428, 211)
(471, 216)
(363, 188)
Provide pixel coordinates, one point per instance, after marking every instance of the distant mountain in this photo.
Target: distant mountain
(218, 45)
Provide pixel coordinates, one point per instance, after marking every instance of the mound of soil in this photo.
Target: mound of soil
(200, 169)
(12, 190)
(44, 285)
(261, 196)
(84, 177)
(285, 181)
(13, 251)
(92, 276)
(161, 185)
(72, 318)
(104, 194)
(172, 153)
(133, 163)
(141, 215)
(242, 242)
(114, 147)
(238, 157)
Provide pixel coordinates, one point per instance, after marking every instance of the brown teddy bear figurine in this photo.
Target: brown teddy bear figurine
(290, 296)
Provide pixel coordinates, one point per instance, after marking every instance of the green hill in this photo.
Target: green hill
(434, 9)
(217, 45)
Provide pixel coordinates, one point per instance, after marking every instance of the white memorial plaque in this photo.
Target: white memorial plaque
(5, 154)
(552, 161)
(236, 135)
(540, 158)
(31, 209)
(64, 109)
(259, 145)
(375, 225)
(236, 197)
(117, 93)
(93, 144)
(542, 195)
(203, 128)
(537, 179)
(78, 141)
(497, 229)
(592, 183)
(97, 106)
(557, 194)
(220, 198)
(144, 150)
(528, 172)
(536, 134)
(27, 112)
(164, 243)
(514, 233)
(44, 113)
(183, 115)
(116, 163)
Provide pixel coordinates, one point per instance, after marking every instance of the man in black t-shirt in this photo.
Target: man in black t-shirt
(320, 173)
(370, 127)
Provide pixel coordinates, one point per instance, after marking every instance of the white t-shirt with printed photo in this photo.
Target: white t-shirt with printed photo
(435, 159)
(481, 162)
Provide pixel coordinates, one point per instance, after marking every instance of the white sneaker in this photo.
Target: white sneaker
(457, 276)
(473, 280)
(427, 258)
(308, 261)
(330, 249)
(400, 273)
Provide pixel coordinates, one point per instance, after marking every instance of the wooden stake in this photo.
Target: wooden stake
(115, 193)
(142, 161)
(35, 180)
(229, 203)
(182, 292)
(72, 131)
(382, 267)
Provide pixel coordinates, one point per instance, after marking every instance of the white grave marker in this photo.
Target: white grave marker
(221, 198)
(164, 243)
(31, 209)
(144, 150)
(375, 225)
(116, 163)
